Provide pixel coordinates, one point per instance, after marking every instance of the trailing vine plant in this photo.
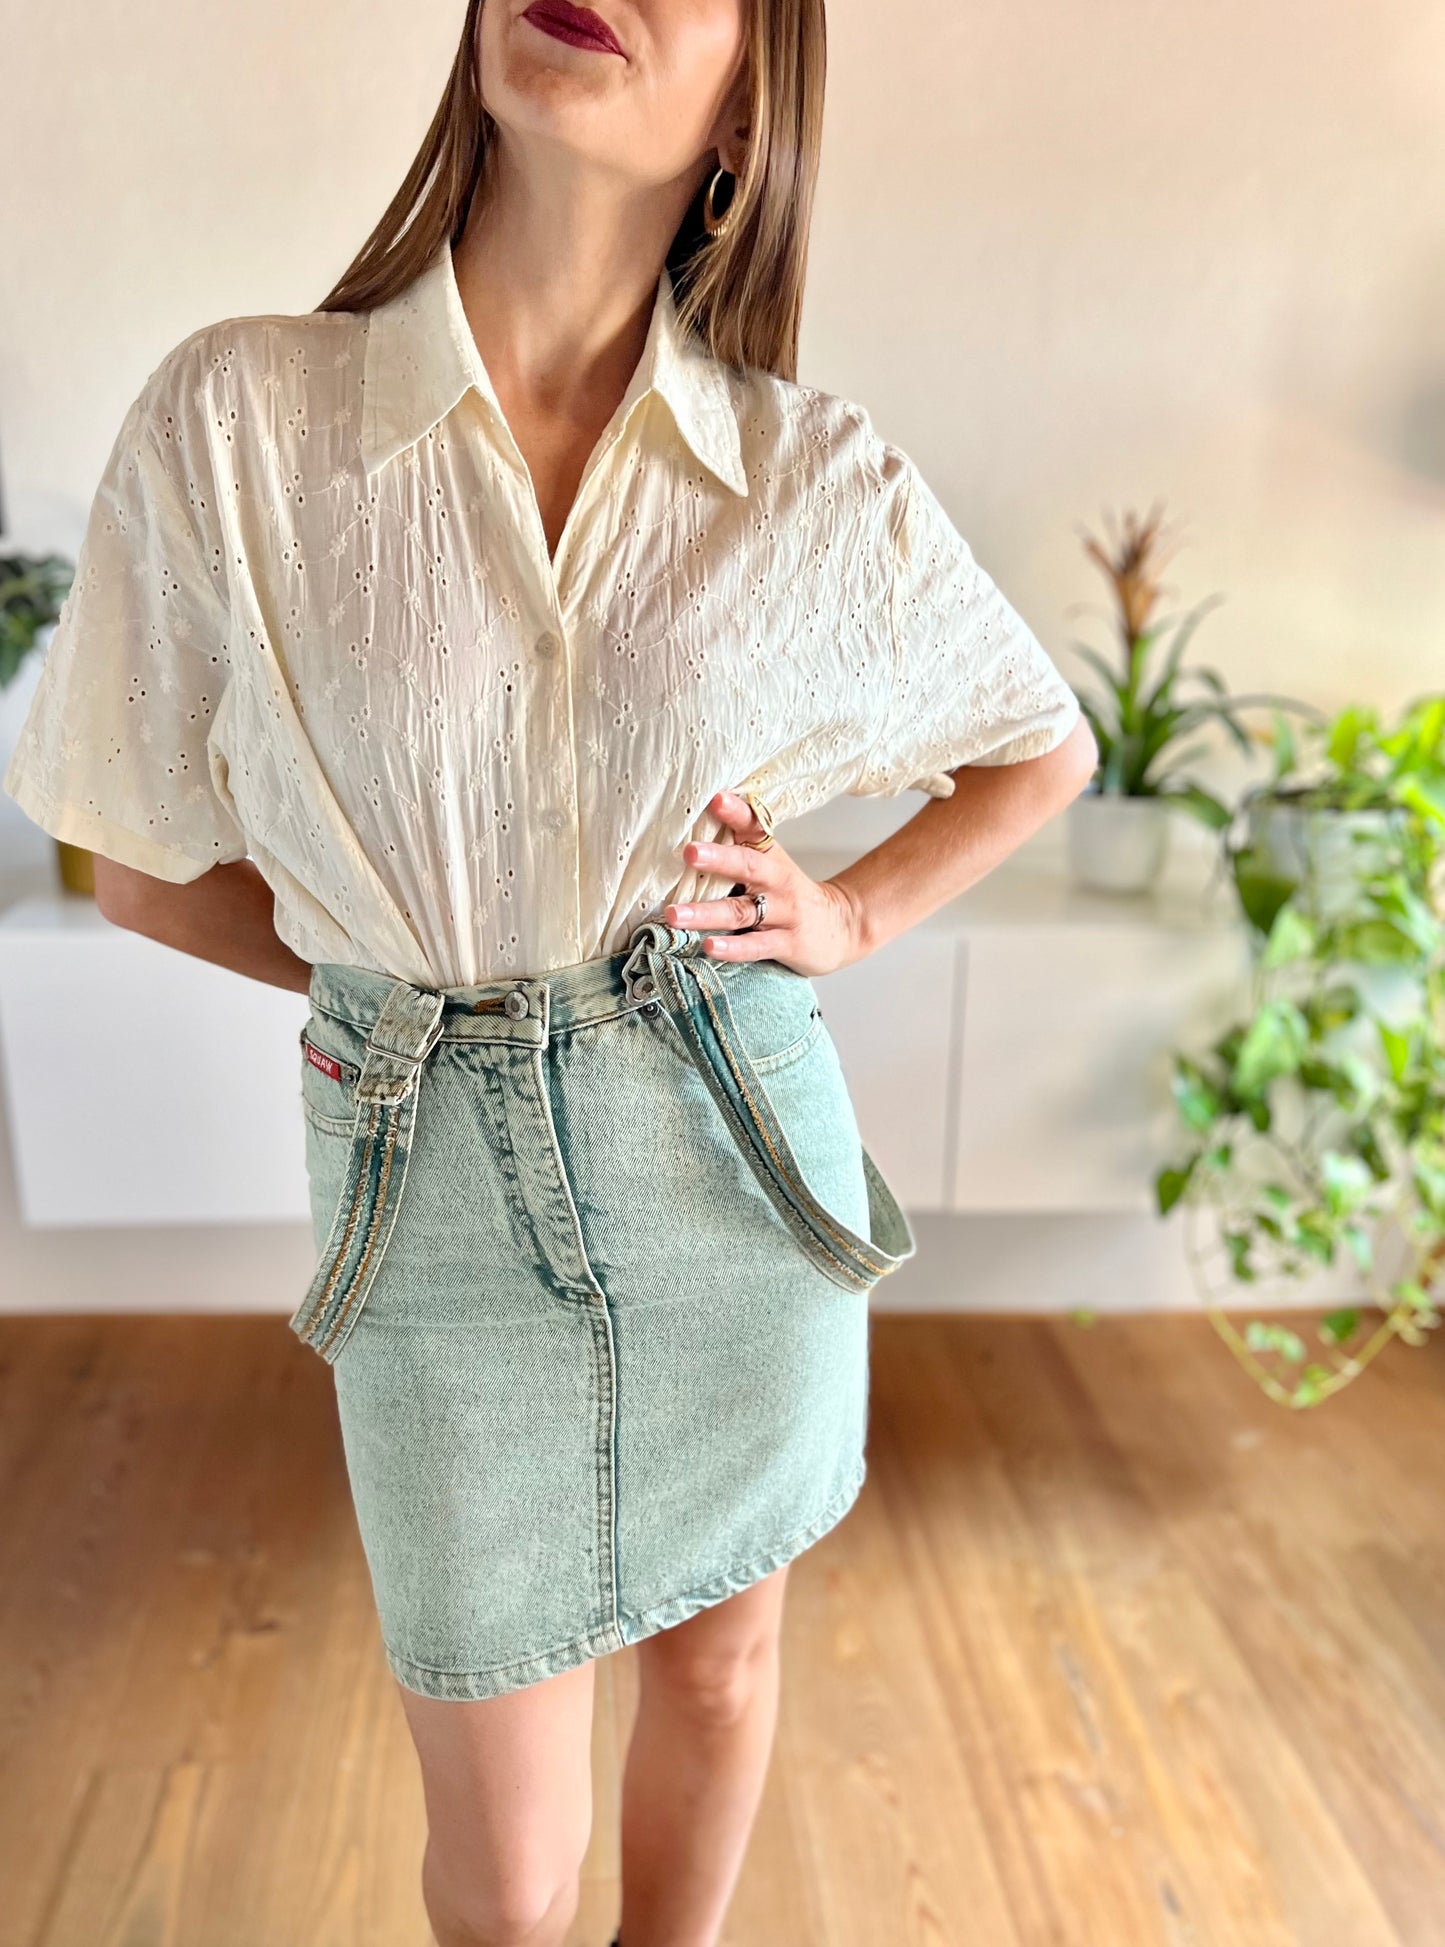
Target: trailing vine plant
(1316, 1122)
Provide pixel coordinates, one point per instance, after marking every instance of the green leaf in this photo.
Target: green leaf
(1423, 795)
(1315, 1236)
(1197, 1100)
(1284, 745)
(1199, 804)
(1337, 1327)
(1396, 1047)
(1169, 1187)
(1310, 1388)
(1347, 1181)
(1261, 891)
(1350, 728)
(1237, 1242)
(1376, 943)
(1176, 649)
(1408, 1292)
(1292, 937)
(1428, 1176)
(1112, 683)
(1260, 1335)
(1273, 1045)
(1360, 1245)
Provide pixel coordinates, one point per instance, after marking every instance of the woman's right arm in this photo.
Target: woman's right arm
(227, 915)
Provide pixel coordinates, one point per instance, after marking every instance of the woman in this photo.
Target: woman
(447, 654)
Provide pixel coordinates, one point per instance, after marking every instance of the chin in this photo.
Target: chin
(549, 99)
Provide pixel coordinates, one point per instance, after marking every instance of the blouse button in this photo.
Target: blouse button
(553, 820)
(546, 644)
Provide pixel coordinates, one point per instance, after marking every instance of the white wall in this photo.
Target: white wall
(1070, 256)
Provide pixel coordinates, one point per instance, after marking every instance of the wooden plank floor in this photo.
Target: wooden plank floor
(1110, 1651)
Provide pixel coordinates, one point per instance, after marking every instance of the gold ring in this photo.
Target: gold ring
(763, 813)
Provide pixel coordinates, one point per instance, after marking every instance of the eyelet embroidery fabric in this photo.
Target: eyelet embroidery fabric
(314, 621)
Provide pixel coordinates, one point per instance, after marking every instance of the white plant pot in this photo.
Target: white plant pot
(1117, 844)
(1322, 851)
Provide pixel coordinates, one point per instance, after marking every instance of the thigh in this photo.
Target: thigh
(508, 1780)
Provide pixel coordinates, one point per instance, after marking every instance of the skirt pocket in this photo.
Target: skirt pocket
(774, 1008)
(330, 1069)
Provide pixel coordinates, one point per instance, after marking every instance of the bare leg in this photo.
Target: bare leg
(508, 1788)
(696, 1765)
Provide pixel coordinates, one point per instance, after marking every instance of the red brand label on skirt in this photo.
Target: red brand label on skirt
(328, 1064)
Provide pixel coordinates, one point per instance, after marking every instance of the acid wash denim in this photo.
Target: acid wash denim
(594, 1253)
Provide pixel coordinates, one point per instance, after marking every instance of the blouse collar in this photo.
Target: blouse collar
(421, 358)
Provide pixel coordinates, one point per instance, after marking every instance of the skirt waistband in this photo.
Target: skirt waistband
(529, 1008)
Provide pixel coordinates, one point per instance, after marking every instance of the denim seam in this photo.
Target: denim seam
(505, 1154)
(347, 1227)
(559, 1191)
(347, 1307)
(605, 1367)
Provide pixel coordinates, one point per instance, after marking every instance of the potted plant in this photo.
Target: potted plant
(32, 591)
(1312, 825)
(1316, 1122)
(1142, 721)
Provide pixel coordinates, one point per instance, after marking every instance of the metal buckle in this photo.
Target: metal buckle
(433, 1035)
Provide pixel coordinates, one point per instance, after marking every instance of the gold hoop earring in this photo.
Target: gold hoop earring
(714, 224)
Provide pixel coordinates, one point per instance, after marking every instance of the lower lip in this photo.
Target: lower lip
(574, 37)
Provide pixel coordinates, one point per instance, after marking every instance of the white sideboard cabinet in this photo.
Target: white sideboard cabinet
(1008, 1054)
(143, 1086)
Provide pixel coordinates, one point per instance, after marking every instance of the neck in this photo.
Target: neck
(557, 272)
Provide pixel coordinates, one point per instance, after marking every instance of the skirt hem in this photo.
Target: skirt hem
(470, 1686)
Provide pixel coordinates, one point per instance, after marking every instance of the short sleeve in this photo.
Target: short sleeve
(115, 753)
(970, 683)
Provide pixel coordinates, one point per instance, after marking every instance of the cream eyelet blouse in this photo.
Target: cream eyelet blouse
(314, 622)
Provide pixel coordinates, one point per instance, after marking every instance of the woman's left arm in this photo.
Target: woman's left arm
(953, 842)
(819, 925)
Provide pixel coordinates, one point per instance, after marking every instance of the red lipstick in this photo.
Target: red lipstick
(578, 26)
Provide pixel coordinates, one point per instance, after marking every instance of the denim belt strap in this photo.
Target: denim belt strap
(667, 963)
(402, 1036)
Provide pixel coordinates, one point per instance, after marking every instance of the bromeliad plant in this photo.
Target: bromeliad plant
(1144, 714)
(32, 589)
(1317, 1122)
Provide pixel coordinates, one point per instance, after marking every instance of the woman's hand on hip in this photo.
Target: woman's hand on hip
(811, 925)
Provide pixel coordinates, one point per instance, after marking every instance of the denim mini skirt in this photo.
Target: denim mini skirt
(594, 1254)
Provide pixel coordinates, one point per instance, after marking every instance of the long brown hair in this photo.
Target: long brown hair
(740, 294)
